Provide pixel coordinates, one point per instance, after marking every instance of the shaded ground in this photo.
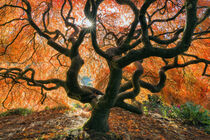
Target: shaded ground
(50, 124)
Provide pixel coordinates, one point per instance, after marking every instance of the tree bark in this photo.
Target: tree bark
(98, 120)
(100, 114)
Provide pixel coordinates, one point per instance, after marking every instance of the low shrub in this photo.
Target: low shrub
(188, 113)
(192, 114)
(17, 111)
(153, 103)
(60, 107)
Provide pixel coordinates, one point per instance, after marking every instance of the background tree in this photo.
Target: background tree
(101, 39)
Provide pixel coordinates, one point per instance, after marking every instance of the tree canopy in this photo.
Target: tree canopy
(124, 46)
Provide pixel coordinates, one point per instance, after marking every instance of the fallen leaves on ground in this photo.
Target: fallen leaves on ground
(50, 124)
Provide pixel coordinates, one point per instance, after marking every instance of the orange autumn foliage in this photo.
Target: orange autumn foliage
(182, 85)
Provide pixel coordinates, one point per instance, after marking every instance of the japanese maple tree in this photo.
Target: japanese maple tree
(113, 38)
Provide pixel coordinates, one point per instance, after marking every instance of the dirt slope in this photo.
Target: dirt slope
(55, 124)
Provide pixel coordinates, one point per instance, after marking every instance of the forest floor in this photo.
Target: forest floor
(55, 124)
